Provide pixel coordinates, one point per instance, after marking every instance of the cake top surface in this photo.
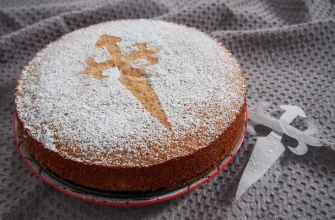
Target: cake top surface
(130, 93)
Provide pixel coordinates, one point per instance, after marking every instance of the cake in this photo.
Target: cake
(131, 105)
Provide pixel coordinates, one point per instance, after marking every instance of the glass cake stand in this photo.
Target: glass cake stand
(120, 198)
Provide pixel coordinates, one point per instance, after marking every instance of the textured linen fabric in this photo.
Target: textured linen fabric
(287, 50)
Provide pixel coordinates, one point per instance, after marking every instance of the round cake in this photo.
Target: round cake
(131, 105)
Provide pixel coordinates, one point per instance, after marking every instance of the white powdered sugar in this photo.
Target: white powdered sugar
(47, 136)
(196, 81)
(102, 55)
(126, 47)
(112, 72)
(139, 63)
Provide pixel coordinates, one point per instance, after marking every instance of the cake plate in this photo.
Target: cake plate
(120, 198)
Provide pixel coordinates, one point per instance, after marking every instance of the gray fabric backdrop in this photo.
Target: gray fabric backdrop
(287, 49)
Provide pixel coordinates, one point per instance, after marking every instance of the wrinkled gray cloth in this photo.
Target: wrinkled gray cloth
(287, 50)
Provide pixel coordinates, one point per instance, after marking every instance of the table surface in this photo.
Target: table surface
(287, 50)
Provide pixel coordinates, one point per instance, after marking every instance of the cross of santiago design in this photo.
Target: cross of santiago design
(135, 80)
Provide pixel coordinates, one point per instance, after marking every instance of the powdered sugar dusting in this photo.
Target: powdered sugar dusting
(126, 47)
(112, 72)
(139, 63)
(197, 82)
(48, 138)
(102, 55)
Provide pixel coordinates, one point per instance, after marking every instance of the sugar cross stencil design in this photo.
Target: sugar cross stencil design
(134, 79)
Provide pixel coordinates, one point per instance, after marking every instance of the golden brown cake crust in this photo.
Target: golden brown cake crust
(167, 174)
